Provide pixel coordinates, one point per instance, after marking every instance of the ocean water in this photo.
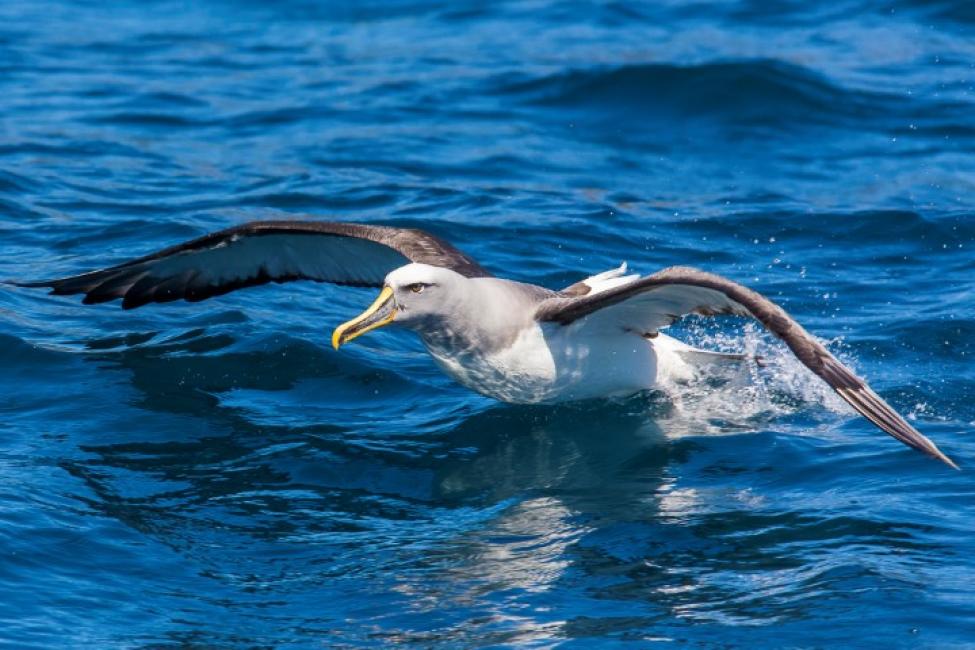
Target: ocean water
(216, 476)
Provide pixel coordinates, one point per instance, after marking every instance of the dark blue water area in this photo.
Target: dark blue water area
(214, 475)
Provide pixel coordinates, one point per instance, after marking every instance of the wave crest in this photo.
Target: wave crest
(766, 89)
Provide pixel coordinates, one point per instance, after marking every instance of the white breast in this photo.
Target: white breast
(551, 363)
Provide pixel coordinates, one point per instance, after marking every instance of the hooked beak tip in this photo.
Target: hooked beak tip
(381, 312)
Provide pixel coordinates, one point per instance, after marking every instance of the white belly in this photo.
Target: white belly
(556, 365)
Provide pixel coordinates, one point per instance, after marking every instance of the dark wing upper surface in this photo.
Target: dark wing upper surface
(265, 251)
(656, 301)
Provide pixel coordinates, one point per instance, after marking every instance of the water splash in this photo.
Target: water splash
(731, 397)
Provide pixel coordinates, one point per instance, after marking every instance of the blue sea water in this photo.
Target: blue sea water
(216, 476)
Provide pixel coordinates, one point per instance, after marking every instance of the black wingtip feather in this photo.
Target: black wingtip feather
(33, 284)
(874, 408)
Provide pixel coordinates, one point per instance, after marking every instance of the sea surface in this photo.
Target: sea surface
(214, 475)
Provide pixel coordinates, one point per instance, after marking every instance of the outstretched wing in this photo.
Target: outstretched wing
(656, 301)
(265, 251)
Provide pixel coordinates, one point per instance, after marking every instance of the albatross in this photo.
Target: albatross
(511, 341)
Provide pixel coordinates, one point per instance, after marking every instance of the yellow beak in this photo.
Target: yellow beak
(381, 312)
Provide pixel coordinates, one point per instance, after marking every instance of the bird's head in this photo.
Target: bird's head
(415, 295)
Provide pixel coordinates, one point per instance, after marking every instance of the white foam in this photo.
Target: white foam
(726, 398)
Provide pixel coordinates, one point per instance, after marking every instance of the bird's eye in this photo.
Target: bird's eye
(417, 287)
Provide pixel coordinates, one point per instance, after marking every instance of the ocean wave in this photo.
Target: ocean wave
(957, 13)
(756, 90)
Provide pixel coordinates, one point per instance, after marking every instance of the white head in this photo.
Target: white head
(416, 296)
(424, 294)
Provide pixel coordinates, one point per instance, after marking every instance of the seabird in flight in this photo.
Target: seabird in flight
(508, 340)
